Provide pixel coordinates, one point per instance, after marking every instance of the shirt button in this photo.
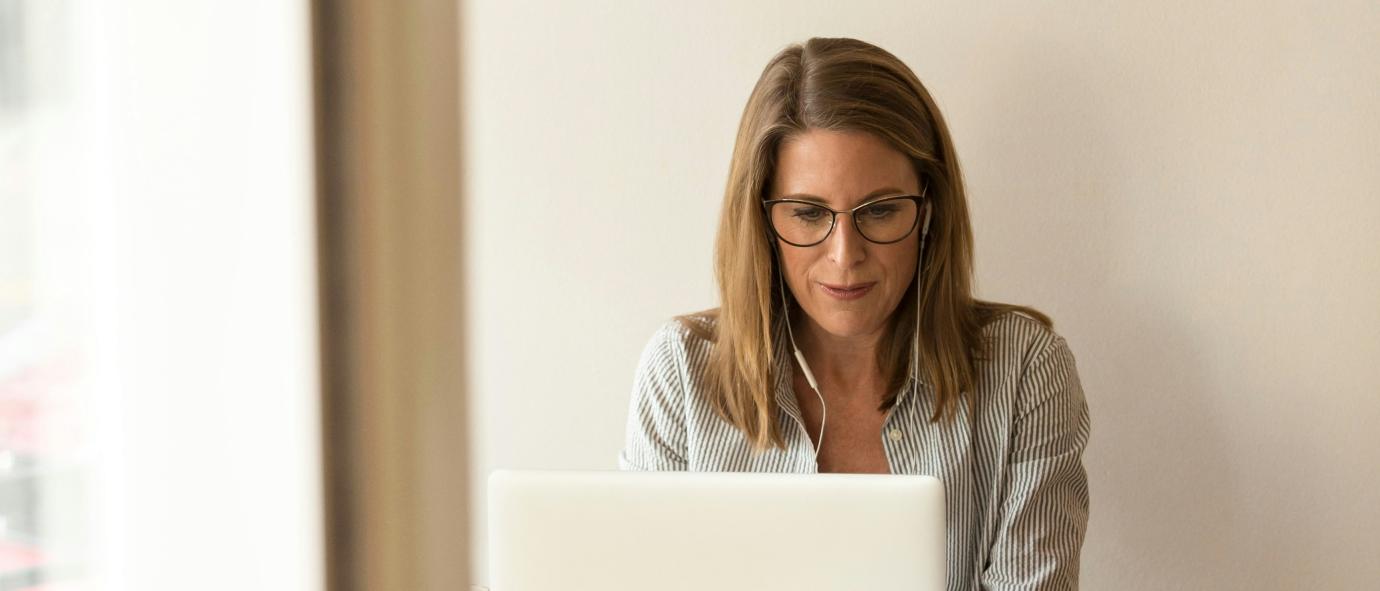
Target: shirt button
(895, 434)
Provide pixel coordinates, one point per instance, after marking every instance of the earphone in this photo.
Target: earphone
(800, 358)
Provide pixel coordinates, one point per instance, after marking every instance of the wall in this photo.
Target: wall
(1188, 188)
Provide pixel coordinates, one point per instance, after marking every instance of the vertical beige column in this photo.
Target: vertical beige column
(388, 156)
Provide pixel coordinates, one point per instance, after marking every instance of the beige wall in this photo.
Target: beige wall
(1189, 189)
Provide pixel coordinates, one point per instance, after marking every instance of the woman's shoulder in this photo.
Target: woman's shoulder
(694, 330)
(686, 337)
(675, 361)
(1015, 337)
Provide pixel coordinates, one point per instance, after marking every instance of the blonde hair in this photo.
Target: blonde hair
(841, 85)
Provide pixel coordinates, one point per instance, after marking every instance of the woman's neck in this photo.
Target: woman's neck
(842, 361)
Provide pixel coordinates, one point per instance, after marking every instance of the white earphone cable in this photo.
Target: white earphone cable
(915, 345)
(800, 358)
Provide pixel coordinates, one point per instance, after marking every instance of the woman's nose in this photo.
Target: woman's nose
(846, 246)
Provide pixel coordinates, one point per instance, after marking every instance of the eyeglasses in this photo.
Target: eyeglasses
(882, 221)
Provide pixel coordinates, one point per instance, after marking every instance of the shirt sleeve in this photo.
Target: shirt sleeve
(656, 412)
(1044, 510)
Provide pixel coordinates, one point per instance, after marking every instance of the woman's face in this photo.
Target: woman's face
(842, 170)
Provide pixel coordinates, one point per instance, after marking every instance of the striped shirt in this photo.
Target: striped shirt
(1015, 490)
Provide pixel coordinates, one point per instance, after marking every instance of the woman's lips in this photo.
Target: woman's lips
(847, 292)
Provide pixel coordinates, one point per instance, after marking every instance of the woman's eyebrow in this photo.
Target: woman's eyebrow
(822, 201)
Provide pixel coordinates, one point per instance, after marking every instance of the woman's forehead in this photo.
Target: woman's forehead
(840, 168)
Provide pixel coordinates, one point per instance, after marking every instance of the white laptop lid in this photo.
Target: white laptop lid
(633, 531)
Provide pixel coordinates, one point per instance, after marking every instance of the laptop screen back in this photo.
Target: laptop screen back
(633, 531)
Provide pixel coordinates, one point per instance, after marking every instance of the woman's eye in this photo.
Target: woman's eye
(808, 214)
(879, 211)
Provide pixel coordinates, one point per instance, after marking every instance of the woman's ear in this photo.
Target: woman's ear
(771, 240)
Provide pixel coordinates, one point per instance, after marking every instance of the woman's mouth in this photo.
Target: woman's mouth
(847, 292)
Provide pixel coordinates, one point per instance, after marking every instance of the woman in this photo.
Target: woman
(848, 339)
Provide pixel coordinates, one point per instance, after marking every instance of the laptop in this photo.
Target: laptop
(634, 531)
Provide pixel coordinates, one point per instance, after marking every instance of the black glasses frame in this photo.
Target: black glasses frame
(834, 217)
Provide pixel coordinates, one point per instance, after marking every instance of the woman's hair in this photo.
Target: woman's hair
(841, 85)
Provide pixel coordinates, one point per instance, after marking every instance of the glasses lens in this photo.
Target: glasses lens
(800, 223)
(887, 220)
